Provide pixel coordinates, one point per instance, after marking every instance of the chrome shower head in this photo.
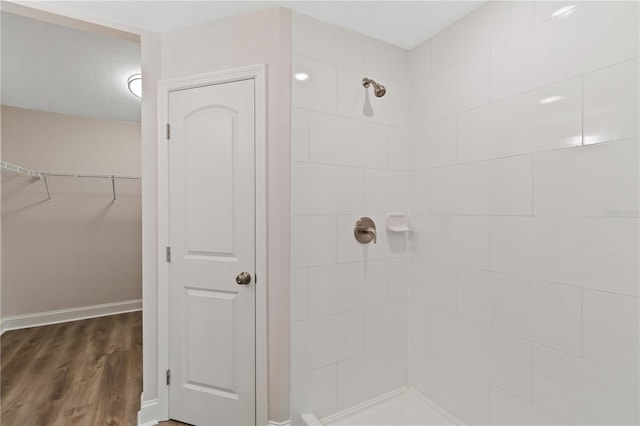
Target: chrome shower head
(378, 89)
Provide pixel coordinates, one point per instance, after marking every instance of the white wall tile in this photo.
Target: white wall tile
(583, 392)
(324, 189)
(593, 35)
(460, 240)
(399, 144)
(384, 60)
(389, 245)
(314, 391)
(588, 252)
(492, 187)
(419, 192)
(419, 60)
(313, 240)
(612, 103)
(399, 276)
(347, 142)
(523, 124)
(433, 284)
(458, 88)
(479, 30)
(299, 134)
(355, 101)
(502, 359)
(385, 192)
(455, 389)
(544, 312)
(346, 286)
(596, 180)
(371, 375)
(318, 91)
(321, 341)
(546, 9)
(434, 144)
(385, 325)
(418, 319)
(299, 294)
(509, 410)
(327, 42)
(611, 330)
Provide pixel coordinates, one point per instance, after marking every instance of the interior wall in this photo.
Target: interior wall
(261, 37)
(150, 55)
(79, 249)
(524, 297)
(349, 159)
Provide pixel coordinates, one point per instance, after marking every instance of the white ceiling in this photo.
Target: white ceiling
(54, 68)
(402, 23)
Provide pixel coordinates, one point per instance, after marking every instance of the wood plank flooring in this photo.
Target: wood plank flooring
(80, 373)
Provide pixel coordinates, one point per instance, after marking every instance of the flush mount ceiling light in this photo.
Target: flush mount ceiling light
(135, 84)
(301, 76)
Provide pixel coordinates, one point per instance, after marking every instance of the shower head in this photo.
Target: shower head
(378, 89)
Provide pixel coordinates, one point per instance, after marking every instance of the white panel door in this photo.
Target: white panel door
(212, 239)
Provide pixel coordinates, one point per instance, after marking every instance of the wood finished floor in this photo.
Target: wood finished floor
(82, 373)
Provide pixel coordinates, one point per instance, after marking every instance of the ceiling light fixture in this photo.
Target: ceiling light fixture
(135, 84)
(301, 76)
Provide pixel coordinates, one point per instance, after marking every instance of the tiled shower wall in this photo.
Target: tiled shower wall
(512, 139)
(524, 145)
(349, 151)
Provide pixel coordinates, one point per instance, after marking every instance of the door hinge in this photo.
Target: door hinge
(168, 131)
(168, 377)
(168, 254)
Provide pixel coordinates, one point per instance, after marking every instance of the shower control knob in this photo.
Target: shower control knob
(243, 278)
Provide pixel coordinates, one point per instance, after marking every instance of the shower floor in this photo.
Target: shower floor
(404, 409)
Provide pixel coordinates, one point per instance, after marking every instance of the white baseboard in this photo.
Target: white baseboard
(363, 405)
(148, 414)
(66, 315)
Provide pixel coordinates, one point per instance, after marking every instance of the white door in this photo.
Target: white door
(212, 240)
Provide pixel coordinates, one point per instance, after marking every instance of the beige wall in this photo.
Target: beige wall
(261, 37)
(79, 249)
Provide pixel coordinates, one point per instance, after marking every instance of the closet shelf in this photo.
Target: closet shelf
(40, 175)
(37, 174)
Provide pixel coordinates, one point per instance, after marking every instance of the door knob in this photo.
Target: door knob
(243, 278)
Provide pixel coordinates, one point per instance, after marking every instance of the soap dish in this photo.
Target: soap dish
(397, 222)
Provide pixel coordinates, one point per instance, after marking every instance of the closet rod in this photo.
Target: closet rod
(36, 174)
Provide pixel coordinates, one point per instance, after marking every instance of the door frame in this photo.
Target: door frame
(258, 74)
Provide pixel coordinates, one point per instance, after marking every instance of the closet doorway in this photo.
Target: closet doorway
(71, 231)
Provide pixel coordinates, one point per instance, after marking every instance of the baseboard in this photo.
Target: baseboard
(439, 408)
(65, 315)
(148, 414)
(285, 423)
(363, 405)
